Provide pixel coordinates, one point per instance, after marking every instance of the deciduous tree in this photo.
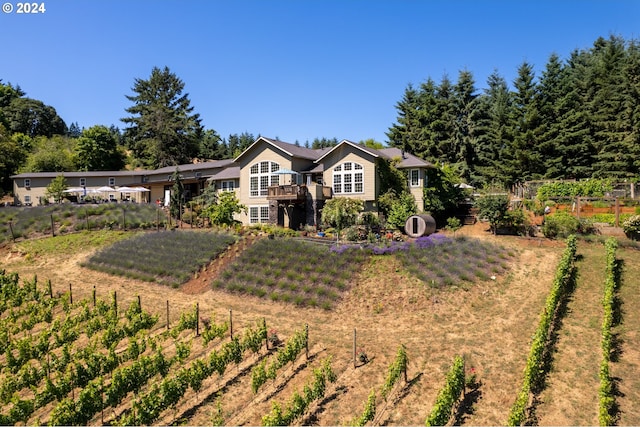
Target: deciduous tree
(97, 150)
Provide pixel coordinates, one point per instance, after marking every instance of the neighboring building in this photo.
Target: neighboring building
(280, 183)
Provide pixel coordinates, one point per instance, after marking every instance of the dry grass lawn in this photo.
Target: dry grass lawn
(489, 323)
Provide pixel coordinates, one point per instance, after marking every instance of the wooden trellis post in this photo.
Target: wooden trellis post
(230, 324)
(197, 319)
(167, 315)
(70, 295)
(13, 236)
(306, 332)
(354, 349)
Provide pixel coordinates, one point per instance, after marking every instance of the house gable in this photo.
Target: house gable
(335, 174)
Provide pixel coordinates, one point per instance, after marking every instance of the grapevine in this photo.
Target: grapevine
(397, 368)
(448, 395)
(535, 369)
(298, 403)
(606, 390)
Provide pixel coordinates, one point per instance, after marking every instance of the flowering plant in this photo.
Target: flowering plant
(631, 227)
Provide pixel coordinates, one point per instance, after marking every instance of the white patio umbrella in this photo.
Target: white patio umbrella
(105, 189)
(126, 190)
(74, 190)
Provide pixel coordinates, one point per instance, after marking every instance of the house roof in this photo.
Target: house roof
(79, 174)
(407, 160)
(232, 172)
(360, 147)
(286, 147)
(192, 166)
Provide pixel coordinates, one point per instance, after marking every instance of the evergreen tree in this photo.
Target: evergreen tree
(522, 159)
(177, 195)
(406, 133)
(465, 129)
(443, 125)
(211, 146)
(631, 73)
(426, 146)
(495, 106)
(74, 130)
(607, 107)
(238, 143)
(324, 143)
(163, 130)
(574, 141)
(551, 89)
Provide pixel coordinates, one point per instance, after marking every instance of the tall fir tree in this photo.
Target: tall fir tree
(163, 130)
(613, 157)
(443, 125)
(523, 158)
(495, 137)
(465, 126)
(550, 90)
(406, 133)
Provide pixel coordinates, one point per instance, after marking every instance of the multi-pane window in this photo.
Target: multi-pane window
(83, 182)
(258, 214)
(261, 176)
(348, 178)
(228, 186)
(112, 182)
(414, 177)
(27, 182)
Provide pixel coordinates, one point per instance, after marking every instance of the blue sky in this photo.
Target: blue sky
(296, 70)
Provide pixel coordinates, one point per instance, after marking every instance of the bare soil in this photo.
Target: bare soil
(489, 323)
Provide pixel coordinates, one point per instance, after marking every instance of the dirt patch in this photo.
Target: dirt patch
(201, 282)
(490, 323)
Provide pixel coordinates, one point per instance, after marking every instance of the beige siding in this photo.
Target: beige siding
(347, 153)
(259, 153)
(418, 192)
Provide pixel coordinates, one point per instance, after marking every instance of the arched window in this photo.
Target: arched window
(261, 176)
(348, 178)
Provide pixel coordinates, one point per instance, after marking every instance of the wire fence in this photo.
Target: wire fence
(23, 222)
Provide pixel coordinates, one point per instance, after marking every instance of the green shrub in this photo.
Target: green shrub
(560, 225)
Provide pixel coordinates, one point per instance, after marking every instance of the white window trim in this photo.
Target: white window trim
(27, 182)
(259, 218)
(269, 175)
(352, 172)
(112, 181)
(411, 172)
(83, 182)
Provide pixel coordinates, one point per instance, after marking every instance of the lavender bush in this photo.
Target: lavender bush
(169, 257)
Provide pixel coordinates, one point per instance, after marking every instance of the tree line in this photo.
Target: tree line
(579, 119)
(162, 129)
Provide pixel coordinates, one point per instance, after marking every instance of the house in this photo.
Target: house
(279, 182)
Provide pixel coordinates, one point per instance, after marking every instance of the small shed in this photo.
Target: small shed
(420, 225)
